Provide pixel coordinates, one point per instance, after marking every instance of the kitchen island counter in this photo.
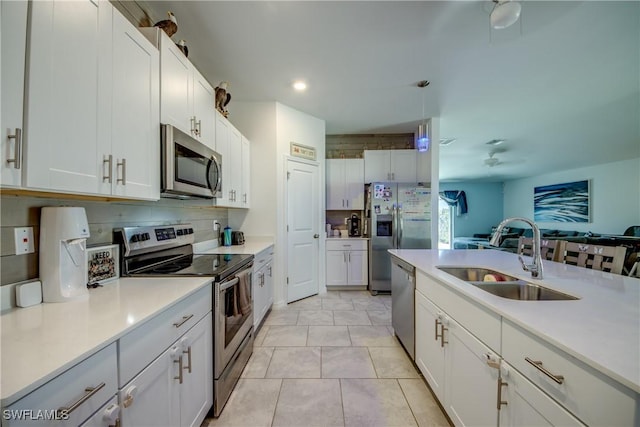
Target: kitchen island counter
(42, 341)
(602, 328)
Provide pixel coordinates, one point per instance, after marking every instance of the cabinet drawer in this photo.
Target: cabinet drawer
(346, 245)
(83, 389)
(593, 397)
(482, 323)
(262, 258)
(140, 346)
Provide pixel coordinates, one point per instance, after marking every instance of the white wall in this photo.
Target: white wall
(271, 127)
(615, 196)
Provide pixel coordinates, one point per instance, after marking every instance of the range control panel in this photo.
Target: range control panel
(150, 238)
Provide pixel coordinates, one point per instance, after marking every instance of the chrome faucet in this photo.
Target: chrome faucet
(536, 267)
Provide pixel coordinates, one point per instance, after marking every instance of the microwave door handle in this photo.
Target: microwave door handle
(214, 163)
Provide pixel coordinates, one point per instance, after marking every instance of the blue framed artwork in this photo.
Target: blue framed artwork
(568, 202)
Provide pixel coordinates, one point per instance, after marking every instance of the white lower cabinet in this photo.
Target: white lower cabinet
(262, 285)
(523, 404)
(73, 396)
(347, 262)
(176, 389)
(454, 363)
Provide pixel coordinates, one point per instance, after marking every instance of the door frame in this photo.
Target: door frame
(322, 287)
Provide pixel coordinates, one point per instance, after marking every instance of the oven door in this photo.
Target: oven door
(189, 168)
(233, 316)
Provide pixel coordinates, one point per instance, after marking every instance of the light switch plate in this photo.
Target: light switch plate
(24, 240)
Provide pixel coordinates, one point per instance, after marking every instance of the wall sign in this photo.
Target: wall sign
(568, 202)
(303, 151)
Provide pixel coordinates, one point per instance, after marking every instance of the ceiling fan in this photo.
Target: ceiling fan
(492, 161)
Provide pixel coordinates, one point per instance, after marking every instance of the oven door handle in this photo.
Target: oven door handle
(226, 285)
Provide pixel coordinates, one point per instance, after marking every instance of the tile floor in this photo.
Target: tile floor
(330, 360)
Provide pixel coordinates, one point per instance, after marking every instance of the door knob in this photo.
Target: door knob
(315, 236)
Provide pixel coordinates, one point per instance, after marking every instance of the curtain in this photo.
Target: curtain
(457, 199)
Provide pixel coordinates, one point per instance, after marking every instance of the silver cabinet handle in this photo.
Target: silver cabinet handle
(344, 257)
(88, 393)
(244, 198)
(188, 353)
(500, 402)
(199, 128)
(393, 176)
(347, 203)
(17, 158)
(192, 120)
(538, 365)
(108, 160)
(184, 320)
(270, 272)
(123, 180)
(180, 368)
(349, 257)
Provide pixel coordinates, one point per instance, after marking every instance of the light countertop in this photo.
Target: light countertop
(42, 341)
(602, 328)
(346, 238)
(252, 246)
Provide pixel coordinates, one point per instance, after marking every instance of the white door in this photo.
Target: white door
(430, 356)
(354, 183)
(356, 273)
(303, 211)
(403, 165)
(204, 110)
(336, 271)
(376, 166)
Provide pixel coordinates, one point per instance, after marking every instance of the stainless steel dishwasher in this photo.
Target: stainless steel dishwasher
(403, 279)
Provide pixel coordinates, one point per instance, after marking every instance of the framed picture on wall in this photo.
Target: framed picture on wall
(567, 202)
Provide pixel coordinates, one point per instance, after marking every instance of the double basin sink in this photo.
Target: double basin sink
(503, 285)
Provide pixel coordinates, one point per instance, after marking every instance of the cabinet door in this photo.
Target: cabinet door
(204, 110)
(357, 268)
(259, 296)
(222, 147)
(354, 184)
(176, 105)
(196, 390)
(235, 154)
(64, 92)
(336, 268)
(135, 129)
(470, 383)
(376, 166)
(429, 351)
(151, 398)
(268, 284)
(245, 199)
(106, 416)
(335, 172)
(14, 39)
(526, 405)
(403, 165)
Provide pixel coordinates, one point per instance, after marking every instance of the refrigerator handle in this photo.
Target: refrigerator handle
(394, 226)
(400, 226)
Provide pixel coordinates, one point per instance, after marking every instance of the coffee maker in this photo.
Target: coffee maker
(63, 253)
(354, 226)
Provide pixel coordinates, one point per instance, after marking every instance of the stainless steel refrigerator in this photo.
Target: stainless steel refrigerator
(398, 217)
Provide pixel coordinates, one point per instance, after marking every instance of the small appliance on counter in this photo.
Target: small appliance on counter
(237, 238)
(63, 253)
(226, 236)
(354, 226)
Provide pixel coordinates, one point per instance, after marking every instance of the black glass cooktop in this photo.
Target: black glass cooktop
(197, 265)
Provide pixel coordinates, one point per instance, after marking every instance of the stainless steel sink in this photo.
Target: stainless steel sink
(476, 274)
(505, 286)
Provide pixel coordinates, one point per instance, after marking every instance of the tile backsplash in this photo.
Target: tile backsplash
(103, 217)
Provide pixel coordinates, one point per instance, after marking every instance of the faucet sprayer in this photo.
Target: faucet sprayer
(536, 267)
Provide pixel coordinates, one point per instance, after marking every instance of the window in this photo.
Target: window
(445, 225)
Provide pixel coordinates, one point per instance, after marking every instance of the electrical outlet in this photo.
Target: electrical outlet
(216, 225)
(24, 240)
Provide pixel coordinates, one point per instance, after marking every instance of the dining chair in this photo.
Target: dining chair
(595, 257)
(549, 249)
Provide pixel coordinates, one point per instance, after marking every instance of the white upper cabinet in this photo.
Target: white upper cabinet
(246, 173)
(14, 37)
(345, 184)
(135, 129)
(390, 165)
(186, 97)
(62, 112)
(92, 110)
(235, 169)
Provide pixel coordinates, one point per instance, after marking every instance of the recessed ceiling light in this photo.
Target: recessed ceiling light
(299, 85)
(495, 142)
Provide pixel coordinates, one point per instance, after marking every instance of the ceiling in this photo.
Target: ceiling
(561, 86)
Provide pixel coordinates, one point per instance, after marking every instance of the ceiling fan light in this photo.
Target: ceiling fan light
(505, 14)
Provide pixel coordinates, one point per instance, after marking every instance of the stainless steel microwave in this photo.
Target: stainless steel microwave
(189, 168)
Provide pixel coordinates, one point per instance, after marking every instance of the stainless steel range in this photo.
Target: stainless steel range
(168, 251)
